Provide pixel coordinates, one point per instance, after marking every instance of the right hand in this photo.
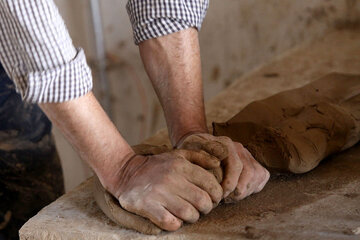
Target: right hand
(243, 175)
(169, 188)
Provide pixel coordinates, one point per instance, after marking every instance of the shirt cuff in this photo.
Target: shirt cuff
(155, 18)
(63, 83)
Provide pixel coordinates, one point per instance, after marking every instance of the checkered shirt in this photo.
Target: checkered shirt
(39, 56)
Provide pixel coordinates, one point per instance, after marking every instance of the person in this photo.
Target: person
(38, 55)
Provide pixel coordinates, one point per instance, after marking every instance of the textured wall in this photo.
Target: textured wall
(236, 38)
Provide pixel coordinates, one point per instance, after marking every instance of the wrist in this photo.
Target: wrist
(178, 137)
(110, 174)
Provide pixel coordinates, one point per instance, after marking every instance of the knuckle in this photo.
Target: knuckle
(243, 156)
(169, 222)
(131, 204)
(157, 189)
(165, 179)
(241, 196)
(240, 192)
(261, 178)
(215, 191)
(251, 174)
(217, 194)
(189, 214)
(177, 164)
(239, 165)
(267, 175)
(225, 139)
(239, 145)
(165, 219)
(230, 184)
(204, 203)
(263, 175)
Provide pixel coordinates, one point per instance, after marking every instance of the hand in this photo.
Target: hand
(169, 188)
(243, 175)
(253, 177)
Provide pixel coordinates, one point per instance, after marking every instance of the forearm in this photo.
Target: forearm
(92, 134)
(174, 67)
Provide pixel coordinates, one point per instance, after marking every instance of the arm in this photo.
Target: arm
(87, 127)
(174, 68)
(173, 65)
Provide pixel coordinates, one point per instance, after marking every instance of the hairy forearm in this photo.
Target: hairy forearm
(174, 67)
(92, 134)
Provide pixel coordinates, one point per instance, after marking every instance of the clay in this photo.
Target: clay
(296, 129)
(112, 209)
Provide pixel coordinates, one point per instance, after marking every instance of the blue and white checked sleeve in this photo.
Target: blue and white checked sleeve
(37, 52)
(155, 18)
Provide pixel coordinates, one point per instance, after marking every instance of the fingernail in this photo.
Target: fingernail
(226, 194)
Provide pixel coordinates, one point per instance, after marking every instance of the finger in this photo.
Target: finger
(181, 208)
(211, 146)
(200, 158)
(195, 196)
(255, 175)
(261, 175)
(204, 180)
(266, 179)
(156, 213)
(245, 184)
(232, 168)
(218, 173)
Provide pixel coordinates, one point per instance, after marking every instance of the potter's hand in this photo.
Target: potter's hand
(243, 175)
(169, 188)
(252, 178)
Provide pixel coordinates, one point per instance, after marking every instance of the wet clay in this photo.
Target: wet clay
(296, 129)
(112, 209)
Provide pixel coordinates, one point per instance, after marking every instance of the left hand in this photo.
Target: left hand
(243, 175)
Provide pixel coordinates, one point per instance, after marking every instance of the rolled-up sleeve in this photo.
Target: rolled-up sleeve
(37, 52)
(155, 18)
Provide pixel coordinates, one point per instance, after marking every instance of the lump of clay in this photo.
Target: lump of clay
(294, 130)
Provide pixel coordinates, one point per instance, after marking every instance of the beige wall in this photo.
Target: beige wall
(237, 36)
